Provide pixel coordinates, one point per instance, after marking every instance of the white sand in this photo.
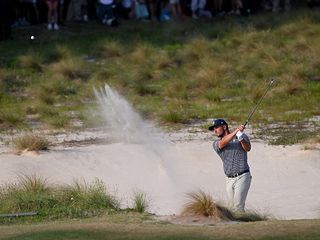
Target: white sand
(286, 181)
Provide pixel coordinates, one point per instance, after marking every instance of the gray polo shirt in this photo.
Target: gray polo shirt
(233, 156)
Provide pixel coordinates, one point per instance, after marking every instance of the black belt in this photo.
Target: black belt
(237, 174)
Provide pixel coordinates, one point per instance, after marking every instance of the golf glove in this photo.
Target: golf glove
(240, 135)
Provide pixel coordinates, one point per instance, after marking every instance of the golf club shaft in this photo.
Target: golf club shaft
(255, 108)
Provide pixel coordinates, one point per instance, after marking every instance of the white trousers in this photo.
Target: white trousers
(237, 191)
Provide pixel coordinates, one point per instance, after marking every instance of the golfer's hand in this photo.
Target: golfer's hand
(240, 132)
(241, 128)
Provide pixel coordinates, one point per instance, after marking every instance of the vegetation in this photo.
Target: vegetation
(140, 202)
(173, 73)
(31, 142)
(35, 194)
(202, 204)
(122, 227)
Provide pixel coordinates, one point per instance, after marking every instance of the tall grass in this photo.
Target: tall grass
(31, 142)
(140, 201)
(34, 194)
(32, 61)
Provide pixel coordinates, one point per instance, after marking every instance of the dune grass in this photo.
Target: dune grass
(140, 201)
(202, 204)
(31, 142)
(173, 73)
(32, 193)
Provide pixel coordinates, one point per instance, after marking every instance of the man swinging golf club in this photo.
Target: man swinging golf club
(232, 147)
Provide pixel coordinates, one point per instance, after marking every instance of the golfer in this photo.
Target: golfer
(232, 149)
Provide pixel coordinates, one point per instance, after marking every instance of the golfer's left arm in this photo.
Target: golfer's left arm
(245, 144)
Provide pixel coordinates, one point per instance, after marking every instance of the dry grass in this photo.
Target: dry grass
(31, 142)
(72, 68)
(202, 204)
(196, 49)
(31, 61)
(111, 49)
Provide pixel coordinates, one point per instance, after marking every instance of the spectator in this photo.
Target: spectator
(176, 9)
(77, 10)
(126, 9)
(276, 5)
(236, 5)
(30, 11)
(217, 6)
(105, 12)
(141, 10)
(154, 7)
(52, 14)
(197, 6)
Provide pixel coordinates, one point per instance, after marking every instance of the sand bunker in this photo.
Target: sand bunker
(286, 181)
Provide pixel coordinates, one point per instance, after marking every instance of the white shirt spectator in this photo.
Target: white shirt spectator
(106, 2)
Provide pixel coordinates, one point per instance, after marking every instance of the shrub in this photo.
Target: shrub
(32, 61)
(33, 193)
(9, 118)
(202, 204)
(31, 142)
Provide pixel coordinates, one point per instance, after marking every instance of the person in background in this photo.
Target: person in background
(276, 5)
(197, 6)
(217, 6)
(126, 9)
(105, 12)
(30, 11)
(77, 11)
(176, 9)
(52, 14)
(232, 148)
(236, 5)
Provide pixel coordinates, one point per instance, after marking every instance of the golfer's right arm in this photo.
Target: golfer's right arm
(226, 139)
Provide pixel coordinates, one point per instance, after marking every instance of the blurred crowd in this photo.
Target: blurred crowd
(17, 13)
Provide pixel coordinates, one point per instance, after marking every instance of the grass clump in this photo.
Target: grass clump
(32, 61)
(31, 142)
(34, 194)
(10, 119)
(82, 199)
(140, 202)
(203, 205)
(27, 195)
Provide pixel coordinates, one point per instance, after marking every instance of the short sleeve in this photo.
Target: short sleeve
(215, 145)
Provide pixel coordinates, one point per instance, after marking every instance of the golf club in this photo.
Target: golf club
(264, 94)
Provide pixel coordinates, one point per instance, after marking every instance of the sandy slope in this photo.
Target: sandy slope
(286, 181)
